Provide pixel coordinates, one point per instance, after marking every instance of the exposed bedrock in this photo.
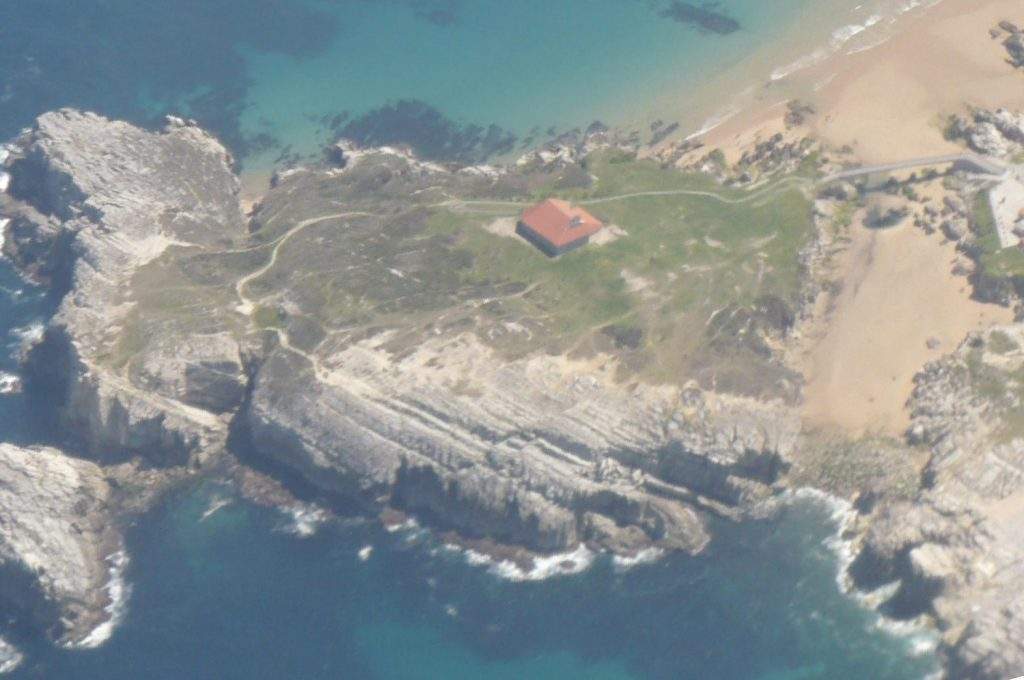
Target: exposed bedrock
(56, 532)
(155, 349)
(957, 549)
(95, 207)
(530, 453)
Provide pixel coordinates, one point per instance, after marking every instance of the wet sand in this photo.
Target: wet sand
(891, 101)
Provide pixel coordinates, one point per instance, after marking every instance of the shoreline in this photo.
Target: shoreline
(835, 122)
(737, 101)
(746, 102)
(884, 100)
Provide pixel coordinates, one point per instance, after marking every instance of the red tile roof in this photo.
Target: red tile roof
(560, 223)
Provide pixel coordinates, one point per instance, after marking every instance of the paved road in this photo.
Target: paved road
(983, 165)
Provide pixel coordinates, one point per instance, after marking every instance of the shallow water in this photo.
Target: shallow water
(276, 79)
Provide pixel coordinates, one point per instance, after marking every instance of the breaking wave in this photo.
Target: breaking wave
(844, 35)
(545, 567)
(118, 592)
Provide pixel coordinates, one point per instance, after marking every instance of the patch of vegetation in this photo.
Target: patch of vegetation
(269, 316)
(184, 291)
(695, 255)
(424, 261)
(1001, 343)
(875, 467)
(624, 336)
(718, 158)
(994, 261)
(988, 381)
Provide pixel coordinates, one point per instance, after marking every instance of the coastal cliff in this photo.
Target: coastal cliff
(956, 548)
(178, 323)
(94, 204)
(374, 330)
(56, 535)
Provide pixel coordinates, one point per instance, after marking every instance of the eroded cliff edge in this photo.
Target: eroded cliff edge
(56, 535)
(181, 323)
(375, 329)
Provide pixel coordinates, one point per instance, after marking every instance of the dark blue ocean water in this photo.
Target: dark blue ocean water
(236, 595)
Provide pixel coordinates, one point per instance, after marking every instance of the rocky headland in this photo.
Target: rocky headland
(374, 331)
(183, 323)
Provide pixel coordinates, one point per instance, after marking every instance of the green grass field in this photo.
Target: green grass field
(688, 271)
(995, 261)
(683, 258)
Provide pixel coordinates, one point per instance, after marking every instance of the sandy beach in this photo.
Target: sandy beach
(890, 102)
(899, 307)
(899, 303)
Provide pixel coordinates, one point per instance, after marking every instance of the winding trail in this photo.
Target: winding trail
(247, 306)
(764, 193)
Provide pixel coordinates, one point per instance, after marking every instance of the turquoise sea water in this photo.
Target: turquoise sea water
(276, 78)
(237, 595)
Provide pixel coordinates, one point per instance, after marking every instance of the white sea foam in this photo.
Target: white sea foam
(408, 525)
(3, 233)
(645, 556)
(306, 519)
(5, 178)
(824, 82)
(837, 41)
(9, 383)
(715, 121)
(365, 552)
(842, 36)
(843, 515)
(548, 566)
(26, 337)
(920, 636)
(808, 60)
(216, 503)
(10, 657)
(118, 592)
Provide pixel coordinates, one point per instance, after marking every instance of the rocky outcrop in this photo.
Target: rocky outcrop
(537, 452)
(998, 133)
(957, 549)
(94, 206)
(407, 386)
(56, 533)
(170, 330)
